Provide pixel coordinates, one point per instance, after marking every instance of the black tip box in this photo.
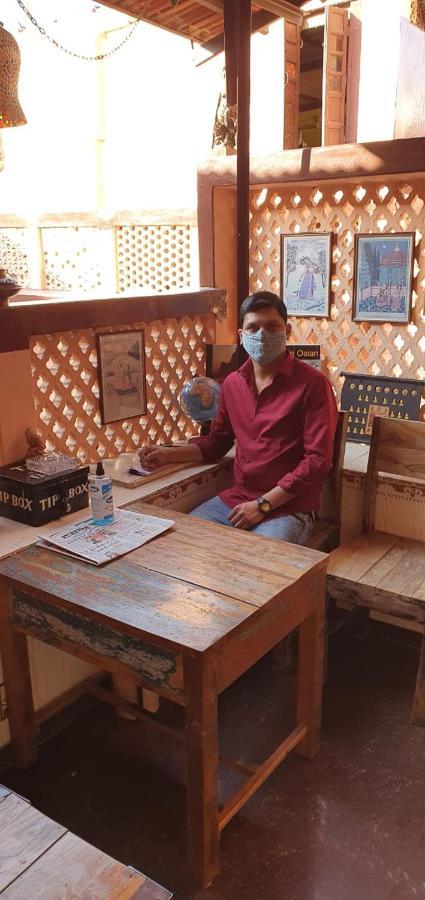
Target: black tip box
(35, 499)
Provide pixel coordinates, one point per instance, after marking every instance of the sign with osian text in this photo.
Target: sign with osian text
(307, 353)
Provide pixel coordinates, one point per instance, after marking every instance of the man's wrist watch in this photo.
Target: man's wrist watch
(264, 505)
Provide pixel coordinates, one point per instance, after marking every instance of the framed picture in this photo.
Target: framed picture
(122, 381)
(383, 271)
(306, 274)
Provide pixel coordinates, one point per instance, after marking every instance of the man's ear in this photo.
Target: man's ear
(288, 330)
(240, 335)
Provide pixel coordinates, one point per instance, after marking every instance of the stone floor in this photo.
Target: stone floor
(349, 825)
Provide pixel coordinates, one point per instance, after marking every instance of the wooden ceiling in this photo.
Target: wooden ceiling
(201, 20)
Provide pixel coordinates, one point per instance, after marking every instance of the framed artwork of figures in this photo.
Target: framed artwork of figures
(383, 272)
(121, 368)
(306, 274)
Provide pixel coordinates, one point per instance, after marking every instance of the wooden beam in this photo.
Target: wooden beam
(311, 6)
(283, 9)
(242, 163)
(19, 323)
(259, 20)
(215, 5)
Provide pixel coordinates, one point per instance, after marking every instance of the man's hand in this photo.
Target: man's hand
(152, 457)
(246, 515)
(155, 457)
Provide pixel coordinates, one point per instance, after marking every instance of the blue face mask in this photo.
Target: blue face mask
(264, 347)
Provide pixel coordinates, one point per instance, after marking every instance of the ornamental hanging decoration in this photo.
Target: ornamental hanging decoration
(75, 53)
(11, 112)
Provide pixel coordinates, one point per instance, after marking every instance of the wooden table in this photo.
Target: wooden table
(41, 860)
(185, 616)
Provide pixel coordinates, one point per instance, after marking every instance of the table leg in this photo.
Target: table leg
(17, 677)
(200, 680)
(310, 673)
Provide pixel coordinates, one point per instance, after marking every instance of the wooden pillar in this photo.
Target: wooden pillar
(242, 166)
(237, 42)
(231, 21)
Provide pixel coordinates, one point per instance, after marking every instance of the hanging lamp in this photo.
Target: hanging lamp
(11, 112)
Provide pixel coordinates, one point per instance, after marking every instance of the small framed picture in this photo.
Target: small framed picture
(383, 272)
(306, 274)
(122, 378)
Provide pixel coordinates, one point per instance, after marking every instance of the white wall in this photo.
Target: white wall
(410, 102)
(50, 162)
(267, 87)
(379, 59)
(158, 112)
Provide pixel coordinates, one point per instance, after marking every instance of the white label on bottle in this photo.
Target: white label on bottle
(101, 497)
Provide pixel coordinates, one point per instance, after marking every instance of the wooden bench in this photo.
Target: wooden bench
(41, 860)
(383, 571)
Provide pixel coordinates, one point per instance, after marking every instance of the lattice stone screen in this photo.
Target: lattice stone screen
(14, 255)
(66, 389)
(157, 256)
(78, 259)
(345, 210)
(105, 256)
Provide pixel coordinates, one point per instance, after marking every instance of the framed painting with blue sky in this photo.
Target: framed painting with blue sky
(383, 272)
(306, 274)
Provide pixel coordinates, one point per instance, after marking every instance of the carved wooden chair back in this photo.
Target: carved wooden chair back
(397, 448)
(330, 504)
(327, 530)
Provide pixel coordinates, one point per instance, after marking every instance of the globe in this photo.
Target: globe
(199, 399)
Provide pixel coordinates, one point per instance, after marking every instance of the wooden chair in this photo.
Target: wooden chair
(327, 529)
(386, 571)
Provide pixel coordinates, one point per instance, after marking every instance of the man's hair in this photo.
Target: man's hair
(262, 300)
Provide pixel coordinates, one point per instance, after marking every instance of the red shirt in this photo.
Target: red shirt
(284, 435)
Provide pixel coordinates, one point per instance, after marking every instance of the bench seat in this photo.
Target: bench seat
(386, 573)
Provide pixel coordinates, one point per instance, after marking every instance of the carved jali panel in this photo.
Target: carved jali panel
(13, 254)
(75, 258)
(66, 388)
(153, 256)
(346, 210)
(100, 256)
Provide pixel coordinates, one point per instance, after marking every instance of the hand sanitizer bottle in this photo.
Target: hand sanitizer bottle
(100, 486)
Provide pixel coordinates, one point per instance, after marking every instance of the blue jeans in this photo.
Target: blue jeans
(296, 529)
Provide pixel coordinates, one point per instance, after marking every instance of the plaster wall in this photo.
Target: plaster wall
(379, 63)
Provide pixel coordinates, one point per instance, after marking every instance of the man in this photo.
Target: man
(282, 415)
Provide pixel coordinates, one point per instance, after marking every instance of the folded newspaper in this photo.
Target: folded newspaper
(98, 544)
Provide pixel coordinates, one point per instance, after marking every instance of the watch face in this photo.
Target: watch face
(264, 505)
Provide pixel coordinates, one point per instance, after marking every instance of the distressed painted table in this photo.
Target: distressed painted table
(41, 860)
(184, 616)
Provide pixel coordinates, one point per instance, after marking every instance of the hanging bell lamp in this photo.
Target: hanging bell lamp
(11, 112)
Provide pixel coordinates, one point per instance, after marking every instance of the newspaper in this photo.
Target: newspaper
(98, 544)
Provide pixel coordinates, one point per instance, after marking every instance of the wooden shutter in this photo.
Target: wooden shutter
(291, 113)
(334, 75)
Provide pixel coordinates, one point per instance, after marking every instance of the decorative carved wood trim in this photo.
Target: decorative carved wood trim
(19, 323)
